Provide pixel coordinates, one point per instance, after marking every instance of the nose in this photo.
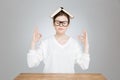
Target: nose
(61, 25)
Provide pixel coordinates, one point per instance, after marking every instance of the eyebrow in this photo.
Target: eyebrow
(61, 21)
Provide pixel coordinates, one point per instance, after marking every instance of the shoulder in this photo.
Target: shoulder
(46, 40)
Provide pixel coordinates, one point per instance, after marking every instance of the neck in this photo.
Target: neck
(60, 35)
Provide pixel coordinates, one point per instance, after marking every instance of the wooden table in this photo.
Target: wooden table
(64, 76)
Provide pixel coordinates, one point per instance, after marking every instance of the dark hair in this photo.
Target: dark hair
(61, 13)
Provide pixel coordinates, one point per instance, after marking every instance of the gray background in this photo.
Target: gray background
(18, 18)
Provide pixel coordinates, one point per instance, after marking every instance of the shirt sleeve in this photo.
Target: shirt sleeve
(34, 57)
(82, 59)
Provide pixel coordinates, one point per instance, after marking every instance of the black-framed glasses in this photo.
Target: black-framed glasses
(61, 23)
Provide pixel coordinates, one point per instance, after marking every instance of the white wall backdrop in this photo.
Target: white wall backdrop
(18, 18)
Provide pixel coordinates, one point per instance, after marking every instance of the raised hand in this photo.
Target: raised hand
(36, 37)
(83, 38)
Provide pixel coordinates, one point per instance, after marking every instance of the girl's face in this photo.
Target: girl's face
(61, 24)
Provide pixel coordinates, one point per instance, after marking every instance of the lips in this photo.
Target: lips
(60, 29)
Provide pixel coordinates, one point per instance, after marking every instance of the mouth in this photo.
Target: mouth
(60, 29)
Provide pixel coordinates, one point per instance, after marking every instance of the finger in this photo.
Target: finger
(80, 38)
(83, 36)
(84, 30)
(39, 34)
(85, 33)
(36, 29)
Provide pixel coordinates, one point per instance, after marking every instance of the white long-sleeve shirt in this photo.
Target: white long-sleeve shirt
(58, 58)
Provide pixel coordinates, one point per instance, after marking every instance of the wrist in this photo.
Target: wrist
(86, 48)
(33, 45)
(86, 51)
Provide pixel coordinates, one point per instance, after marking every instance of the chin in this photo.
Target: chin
(61, 32)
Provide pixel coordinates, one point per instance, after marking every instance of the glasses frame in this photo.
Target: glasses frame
(58, 23)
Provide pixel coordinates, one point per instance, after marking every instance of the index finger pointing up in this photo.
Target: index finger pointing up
(36, 29)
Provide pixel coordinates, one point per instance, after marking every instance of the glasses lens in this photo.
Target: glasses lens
(58, 23)
(65, 23)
